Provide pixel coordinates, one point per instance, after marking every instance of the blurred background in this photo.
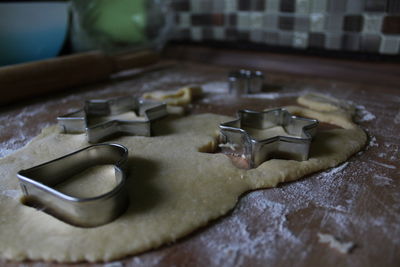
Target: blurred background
(369, 26)
(34, 30)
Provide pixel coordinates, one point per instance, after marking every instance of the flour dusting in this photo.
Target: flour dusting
(243, 238)
(363, 114)
(273, 95)
(397, 118)
(381, 180)
(389, 166)
(332, 172)
(15, 194)
(114, 264)
(333, 242)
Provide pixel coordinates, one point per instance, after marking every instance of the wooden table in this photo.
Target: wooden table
(358, 201)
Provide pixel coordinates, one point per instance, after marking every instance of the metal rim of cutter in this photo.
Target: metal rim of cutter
(37, 184)
(79, 121)
(241, 143)
(244, 81)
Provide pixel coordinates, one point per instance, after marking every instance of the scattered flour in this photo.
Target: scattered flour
(15, 194)
(381, 180)
(215, 87)
(373, 142)
(397, 118)
(333, 242)
(363, 114)
(228, 145)
(332, 172)
(243, 239)
(114, 264)
(273, 95)
(239, 236)
(383, 164)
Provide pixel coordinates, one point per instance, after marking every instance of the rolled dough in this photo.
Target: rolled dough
(174, 188)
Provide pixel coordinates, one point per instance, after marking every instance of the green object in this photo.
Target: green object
(120, 25)
(123, 21)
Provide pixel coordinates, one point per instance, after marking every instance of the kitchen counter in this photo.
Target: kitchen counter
(357, 201)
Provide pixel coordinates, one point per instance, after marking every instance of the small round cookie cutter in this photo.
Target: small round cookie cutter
(241, 82)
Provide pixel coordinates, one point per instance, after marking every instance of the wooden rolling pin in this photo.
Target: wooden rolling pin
(26, 80)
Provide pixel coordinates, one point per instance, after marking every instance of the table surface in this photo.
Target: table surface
(358, 201)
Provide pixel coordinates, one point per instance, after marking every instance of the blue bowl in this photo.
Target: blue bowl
(31, 30)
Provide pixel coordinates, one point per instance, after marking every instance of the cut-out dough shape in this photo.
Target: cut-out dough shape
(174, 188)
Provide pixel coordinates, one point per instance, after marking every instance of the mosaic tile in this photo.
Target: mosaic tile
(287, 6)
(231, 34)
(337, 6)
(271, 38)
(391, 25)
(196, 33)
(302, 23)
(351, 42)
(370, 43)
(230, 5)
(286, 23)
(371, 26)
(393, 6)
(256, 20)
(333, 41)
(317, 22)
(300, 39)
(218, 6)
(219, 33)
(243, 5)
(389, 45)
(270, 21)
(286, 38)
(316, 40)
(353, 23)
(375, 5)
(355, 7)
(319, 6)
(372, 23)
(303, 6)
(181, 5)
(207, 33)
(243, 20)
(184, 19)
(195, 6)
(272, 5)
(231, 19)
(333, 23)
(257, 36)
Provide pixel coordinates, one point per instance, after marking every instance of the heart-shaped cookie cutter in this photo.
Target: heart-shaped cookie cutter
(38, 186)
(235, 140)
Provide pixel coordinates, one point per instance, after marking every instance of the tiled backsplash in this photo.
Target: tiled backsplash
(349, 25)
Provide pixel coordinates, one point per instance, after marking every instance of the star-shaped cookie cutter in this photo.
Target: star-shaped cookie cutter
(82, 120)
(235, 140)
(39, 183)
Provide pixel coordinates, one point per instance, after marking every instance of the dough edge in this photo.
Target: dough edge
(261, 177)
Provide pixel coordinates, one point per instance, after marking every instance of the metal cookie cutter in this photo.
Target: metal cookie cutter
(86, 120)
(236, 140)
(38, 186)
(245, 82)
